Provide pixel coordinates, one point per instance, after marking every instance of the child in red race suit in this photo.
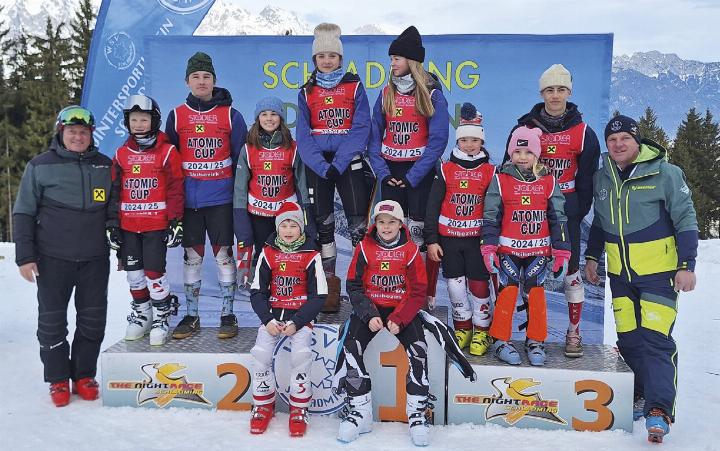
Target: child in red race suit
(269, 173)
(524, 224)
(287, 293)
(409, 131)
(333, 126)
(147, 190)
(452, 230)
(210, 135)
(386, 283)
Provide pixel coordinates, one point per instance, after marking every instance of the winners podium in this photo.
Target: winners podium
(206, 372)
(593, 393)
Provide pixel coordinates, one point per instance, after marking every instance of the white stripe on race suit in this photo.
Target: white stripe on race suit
(142, 206)
(206, 165)
(402, 154)
(524, 244)
(567, 185)
(267, 205)
(460, 223)
(329, 131)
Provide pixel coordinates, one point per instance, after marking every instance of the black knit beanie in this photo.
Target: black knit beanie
(622, 123)
(409, 45)
(199, 61)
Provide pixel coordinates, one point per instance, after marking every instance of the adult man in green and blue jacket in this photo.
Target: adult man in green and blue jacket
(644, 217)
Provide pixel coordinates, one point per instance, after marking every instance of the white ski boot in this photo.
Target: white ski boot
(160, 327)
(419, 410)
(139, 320)
(357, 418)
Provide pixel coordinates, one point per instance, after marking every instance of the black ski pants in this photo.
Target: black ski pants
(356, 340)
(56, 282)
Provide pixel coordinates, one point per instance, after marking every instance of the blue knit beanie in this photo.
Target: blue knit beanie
(270, 104)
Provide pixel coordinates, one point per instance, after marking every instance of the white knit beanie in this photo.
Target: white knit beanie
(556, 75)
(327, 39)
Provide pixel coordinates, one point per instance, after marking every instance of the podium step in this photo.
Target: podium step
(590, 393)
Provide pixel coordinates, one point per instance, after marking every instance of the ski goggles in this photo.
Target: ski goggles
(75, 115)
(138, 103)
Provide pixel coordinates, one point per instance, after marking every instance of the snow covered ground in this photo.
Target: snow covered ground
(28, 421)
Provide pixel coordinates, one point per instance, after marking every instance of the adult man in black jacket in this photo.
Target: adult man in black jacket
(60, 216)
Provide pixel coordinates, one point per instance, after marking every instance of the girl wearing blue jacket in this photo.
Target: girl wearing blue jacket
(409, 131)
(333, 127)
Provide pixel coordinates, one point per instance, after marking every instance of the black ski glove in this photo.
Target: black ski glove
(174, 233)
(114, 239)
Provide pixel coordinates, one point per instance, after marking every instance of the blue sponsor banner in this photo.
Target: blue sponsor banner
(498, 73)
(117, 62)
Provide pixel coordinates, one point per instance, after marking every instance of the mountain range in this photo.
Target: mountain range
(667, 83)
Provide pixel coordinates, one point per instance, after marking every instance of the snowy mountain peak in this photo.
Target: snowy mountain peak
(225, 18)
(654, 63)
(30, 15)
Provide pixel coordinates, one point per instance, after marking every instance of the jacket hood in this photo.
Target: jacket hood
(533, 118)
(57, 147)
(220, 97)
(434, 82)
(651, 156)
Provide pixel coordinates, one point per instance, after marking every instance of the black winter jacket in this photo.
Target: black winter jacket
(61, 206)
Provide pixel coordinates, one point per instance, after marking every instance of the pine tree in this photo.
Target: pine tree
(696, 151)
(649, 128)
(82, 29)
(48, 88)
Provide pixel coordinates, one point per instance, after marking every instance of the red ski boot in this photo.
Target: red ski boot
(261, 416)
(298, 421)
(60, 393)
(87, 388)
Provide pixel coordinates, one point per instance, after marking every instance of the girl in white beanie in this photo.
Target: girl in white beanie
(333, 126)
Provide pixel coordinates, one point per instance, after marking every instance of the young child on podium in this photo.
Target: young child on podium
(287, 293)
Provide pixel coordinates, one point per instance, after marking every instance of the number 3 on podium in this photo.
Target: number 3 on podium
(599, 405)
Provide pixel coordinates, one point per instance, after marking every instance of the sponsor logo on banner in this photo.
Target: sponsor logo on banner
(184, 6)
(120, 50)
(323, 354)
(162, 385)
(514, 401)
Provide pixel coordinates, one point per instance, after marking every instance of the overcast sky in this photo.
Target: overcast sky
(689, 28)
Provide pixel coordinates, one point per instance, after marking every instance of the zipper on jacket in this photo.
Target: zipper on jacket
(82, 182)
(618, 196)
(627, 209)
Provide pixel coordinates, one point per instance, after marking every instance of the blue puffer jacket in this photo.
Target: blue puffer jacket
(208, 193)
(345, 147)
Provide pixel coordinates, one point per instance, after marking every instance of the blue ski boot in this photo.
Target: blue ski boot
(657, 424)
(535, 352)
(506, 352)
